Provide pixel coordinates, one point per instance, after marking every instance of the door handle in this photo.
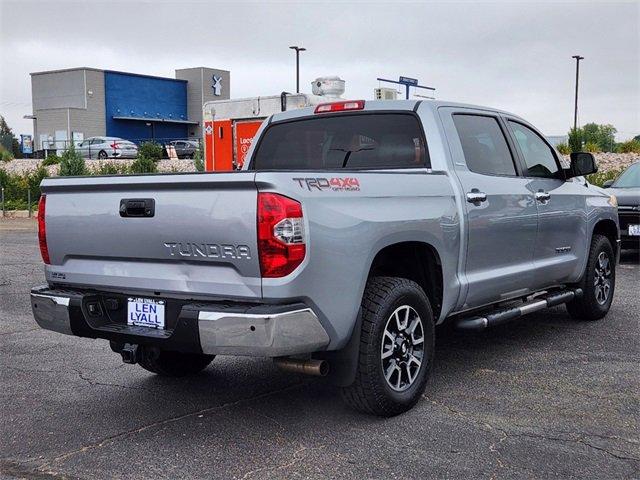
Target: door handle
(542, 196)
(475, 196)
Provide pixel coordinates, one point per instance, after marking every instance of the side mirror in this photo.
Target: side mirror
(607, 184)
(582, 163)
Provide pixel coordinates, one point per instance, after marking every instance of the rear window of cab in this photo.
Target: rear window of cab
(354, 141)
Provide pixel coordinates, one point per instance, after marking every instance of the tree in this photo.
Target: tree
(575, 139)
(8, 139)
(602, 135)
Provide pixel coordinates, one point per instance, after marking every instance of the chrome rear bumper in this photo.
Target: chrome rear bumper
(256, 330)
(265, 335)
(52, 312)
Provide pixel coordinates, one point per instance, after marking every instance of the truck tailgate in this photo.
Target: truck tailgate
(199, 241)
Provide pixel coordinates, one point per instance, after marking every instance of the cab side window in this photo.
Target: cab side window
(484, 145)
(538, 156)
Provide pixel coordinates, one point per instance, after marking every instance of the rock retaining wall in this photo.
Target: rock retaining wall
(605, 161)
(25, 165)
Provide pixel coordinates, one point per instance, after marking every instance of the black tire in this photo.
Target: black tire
(371, 392)
(102, 155)
(591, 305)
(173, 364)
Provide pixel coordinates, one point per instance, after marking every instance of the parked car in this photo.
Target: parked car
(107, 147)
(626, 188)
(184, 148)
(354, 229)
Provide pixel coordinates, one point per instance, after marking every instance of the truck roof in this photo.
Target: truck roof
(371, 105)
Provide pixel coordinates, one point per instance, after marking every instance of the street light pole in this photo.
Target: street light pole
(575, 111)
(298, 50)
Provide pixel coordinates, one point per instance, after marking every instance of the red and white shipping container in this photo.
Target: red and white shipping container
(230, 125)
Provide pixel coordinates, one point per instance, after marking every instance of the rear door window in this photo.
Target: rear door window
(484, 145)
(385, 140)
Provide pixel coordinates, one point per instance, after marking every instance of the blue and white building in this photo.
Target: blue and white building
(77, 103)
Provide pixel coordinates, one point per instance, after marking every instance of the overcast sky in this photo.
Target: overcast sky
(511, 55)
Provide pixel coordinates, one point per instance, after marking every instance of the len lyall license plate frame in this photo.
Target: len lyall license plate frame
(145, 312)
(634, 230)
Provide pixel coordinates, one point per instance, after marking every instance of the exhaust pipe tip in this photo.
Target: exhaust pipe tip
(323, 368)
(315, 367)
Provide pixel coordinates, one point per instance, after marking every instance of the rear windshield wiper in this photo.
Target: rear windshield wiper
(349, 152)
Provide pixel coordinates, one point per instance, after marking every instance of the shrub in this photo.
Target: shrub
(34, 179)
(72, 163)
(591, 147)
(110, 168)
(5, 155)
(143, 165)
(10, 204)
(4, 178)
(17, 187)
(630, 146)
(198, 161)
(563, 148)
(599, 178)
(52, 159)
(151, 150)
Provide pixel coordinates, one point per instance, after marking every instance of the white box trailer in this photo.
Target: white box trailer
(230, 125)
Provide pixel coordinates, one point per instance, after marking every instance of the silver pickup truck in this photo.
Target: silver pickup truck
(355, 228)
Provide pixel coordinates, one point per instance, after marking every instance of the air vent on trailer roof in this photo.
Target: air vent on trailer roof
(330, 87)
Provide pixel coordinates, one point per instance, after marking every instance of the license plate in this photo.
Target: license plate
(144, 312)
(634, 230)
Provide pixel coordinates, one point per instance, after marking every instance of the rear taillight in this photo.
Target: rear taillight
(281, 240)
(340, 106)
(42, 230)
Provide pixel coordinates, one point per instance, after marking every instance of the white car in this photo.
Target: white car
(107, 147)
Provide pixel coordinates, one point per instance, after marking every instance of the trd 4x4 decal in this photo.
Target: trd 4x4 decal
(335, 184)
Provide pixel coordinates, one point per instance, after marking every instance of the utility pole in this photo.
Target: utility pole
(298, 50)
(575, 111)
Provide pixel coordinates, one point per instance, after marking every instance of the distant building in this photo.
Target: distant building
(83, 102)
(557, 139)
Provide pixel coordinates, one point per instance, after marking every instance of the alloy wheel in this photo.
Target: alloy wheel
(602, 278)
(402, 349)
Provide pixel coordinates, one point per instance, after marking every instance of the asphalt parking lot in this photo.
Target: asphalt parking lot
(545, 397)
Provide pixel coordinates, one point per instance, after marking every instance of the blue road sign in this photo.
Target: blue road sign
(408, 81)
